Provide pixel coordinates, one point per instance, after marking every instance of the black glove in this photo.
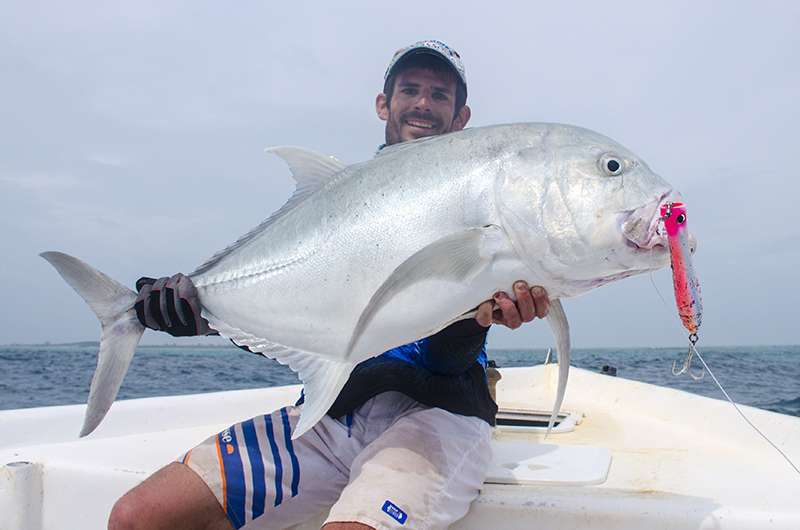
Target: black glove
(453, 350)
(171, 305)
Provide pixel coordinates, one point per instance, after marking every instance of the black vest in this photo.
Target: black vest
(449, 378)
(466, 393)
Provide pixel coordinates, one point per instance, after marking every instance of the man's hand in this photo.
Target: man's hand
(170, 305)
(531, 303)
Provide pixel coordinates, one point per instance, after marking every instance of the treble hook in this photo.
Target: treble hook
(661, 229)
(687, 364)
(668, 210)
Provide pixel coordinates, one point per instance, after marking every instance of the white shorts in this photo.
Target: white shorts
(399, 464)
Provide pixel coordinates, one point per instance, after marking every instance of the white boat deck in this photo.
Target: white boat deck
(677, 460)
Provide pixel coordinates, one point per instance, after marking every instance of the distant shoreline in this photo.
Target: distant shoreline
(206, 345)
(96, 344)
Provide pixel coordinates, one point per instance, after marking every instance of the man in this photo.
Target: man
(406, 443)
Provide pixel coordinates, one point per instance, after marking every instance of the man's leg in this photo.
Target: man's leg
(346, 526)
(172, 498)
(251, 474)
(422, 472)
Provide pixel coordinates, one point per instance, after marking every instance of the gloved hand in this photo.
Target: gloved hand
(171, 305)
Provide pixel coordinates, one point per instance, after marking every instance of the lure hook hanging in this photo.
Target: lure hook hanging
(687, 363)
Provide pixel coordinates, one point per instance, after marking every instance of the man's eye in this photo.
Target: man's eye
(440, 96)
(409, 92)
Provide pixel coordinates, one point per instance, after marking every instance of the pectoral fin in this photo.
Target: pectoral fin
(456, 257)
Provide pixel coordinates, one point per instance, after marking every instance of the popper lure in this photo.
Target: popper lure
(684, 279)
(690, 304)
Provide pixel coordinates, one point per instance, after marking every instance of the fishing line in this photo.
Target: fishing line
(653, 283)
(724, 393)
(694, 348)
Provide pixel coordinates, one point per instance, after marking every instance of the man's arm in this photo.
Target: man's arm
(455, 348)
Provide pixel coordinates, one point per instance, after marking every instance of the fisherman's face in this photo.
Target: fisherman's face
(423, 104)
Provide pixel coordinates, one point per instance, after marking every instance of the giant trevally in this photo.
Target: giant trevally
(366, 257)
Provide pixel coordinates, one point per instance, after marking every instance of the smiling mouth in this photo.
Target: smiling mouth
(421, 124)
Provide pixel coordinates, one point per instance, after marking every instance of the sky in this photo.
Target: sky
(132, 136)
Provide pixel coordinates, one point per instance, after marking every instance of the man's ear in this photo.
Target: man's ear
(382, 106)
(460, 121)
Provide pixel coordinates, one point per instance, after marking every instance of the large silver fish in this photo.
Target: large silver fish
(366, 257)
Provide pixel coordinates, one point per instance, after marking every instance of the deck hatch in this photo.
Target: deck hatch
(535, 420)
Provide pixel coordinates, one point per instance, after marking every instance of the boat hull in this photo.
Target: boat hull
(676, 460)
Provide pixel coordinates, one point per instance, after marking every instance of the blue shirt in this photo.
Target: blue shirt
(416, 353)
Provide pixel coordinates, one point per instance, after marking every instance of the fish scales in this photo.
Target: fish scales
(351, 235)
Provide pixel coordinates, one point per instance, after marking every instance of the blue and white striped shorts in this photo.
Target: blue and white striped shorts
(397, 464)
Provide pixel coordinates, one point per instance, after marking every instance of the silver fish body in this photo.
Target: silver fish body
(381, 253)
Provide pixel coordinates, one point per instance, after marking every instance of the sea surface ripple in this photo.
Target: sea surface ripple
(767, 377)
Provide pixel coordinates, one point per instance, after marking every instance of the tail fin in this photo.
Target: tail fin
(121, 330)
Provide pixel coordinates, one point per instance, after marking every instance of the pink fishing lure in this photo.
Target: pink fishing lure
(684, 280)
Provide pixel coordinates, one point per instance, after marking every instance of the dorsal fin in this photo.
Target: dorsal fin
(309, 169)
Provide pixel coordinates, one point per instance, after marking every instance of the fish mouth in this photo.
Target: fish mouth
(643, 229)
(655, 244)
(659, 243)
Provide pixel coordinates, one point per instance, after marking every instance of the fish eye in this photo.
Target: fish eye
(681, 219)
(611, 165)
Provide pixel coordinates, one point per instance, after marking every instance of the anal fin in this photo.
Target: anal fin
(323, 378)
(557, 319)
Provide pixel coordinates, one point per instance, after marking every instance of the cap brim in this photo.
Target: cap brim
(426, 51)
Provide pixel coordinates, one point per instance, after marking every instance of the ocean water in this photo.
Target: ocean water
(31, 376)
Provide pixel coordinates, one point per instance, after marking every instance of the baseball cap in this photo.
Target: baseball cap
(430, 47)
